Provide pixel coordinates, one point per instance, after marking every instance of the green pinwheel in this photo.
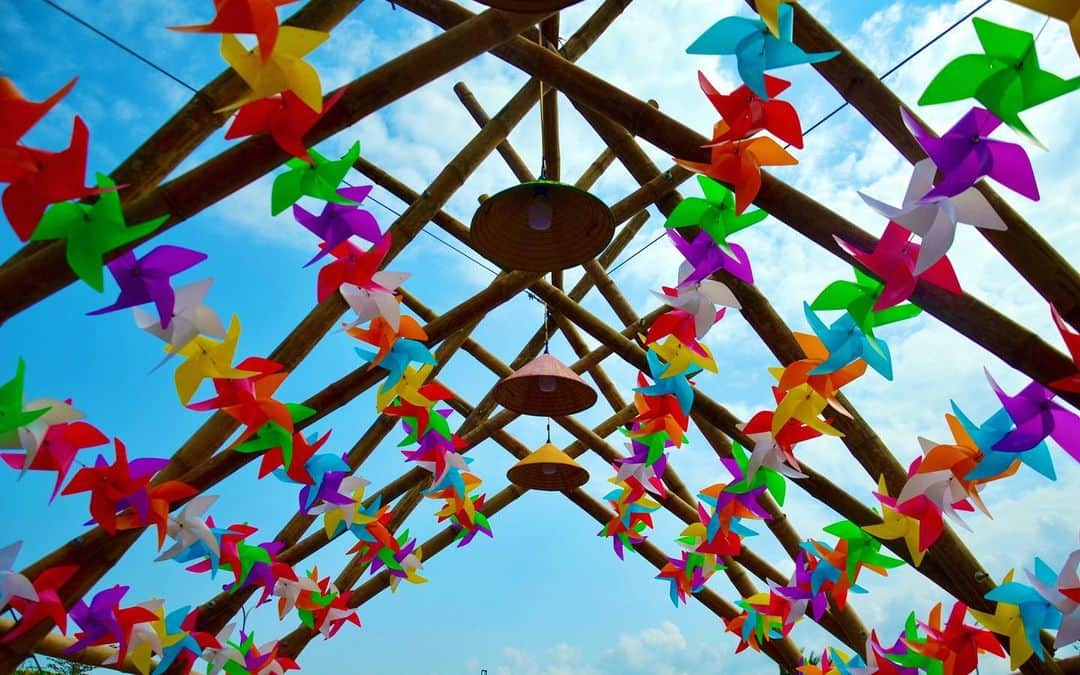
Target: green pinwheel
(862, 548)
(765, 476)
(273, 436)
(911, 658)
(91, 231)
(1006, 79)
(715, 214)
(12, 415)
(861, 299)
(319, 180)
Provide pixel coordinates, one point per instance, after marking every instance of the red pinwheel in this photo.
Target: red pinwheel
(18, 115)
(1072, 342)
(353, 266)
(48, 606)
(159, 502)
(148, 279)
(250, 400)
(681, 324)
(116, 486)
(956, 644)
(58, 449)
(285, 117)
(103, 621)
(745, 114)
(660, 413)
(38, 178)
(257, 17)
(792, 433)
(738, 164)
(296, 466)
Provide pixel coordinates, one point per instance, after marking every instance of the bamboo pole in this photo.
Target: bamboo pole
(549, 106)
(509, 154)
(55, 645)
(1048, 272)
(31, 280)
(1013, 343)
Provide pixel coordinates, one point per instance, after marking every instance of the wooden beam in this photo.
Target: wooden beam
(549, 106)
(509, 154)
(55, 645)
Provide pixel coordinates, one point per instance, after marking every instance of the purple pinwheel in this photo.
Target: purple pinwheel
(965, 153)
(338, 222)
(325, 491)
(103, 621)
(1037, 416)
(800, 588)
(147, 279)
(704, 257)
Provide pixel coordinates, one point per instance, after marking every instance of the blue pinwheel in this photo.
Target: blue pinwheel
(846, 342)
(401, 354)
(677, 385)
(996, 462)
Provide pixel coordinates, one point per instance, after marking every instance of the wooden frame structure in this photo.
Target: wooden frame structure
(617, 117)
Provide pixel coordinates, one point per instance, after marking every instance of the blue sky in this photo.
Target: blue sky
(546, 596)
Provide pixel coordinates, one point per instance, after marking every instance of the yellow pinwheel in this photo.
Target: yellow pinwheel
(206, 357)
(682, 359)
(284, 69)
(802, 403)
(769, 11)
(896, 525)
(1007, 621)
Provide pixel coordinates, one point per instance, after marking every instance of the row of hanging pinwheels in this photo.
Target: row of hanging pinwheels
(948, 477)
(124, 495)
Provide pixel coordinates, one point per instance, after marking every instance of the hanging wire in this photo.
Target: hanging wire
(547, 328)
(845, 104)
(549, 430)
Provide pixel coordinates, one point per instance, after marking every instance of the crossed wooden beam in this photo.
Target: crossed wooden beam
(38, 270)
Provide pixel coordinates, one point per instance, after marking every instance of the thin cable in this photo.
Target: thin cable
(1039, 34)
(89, 26)
(549, 430)
(845, 104)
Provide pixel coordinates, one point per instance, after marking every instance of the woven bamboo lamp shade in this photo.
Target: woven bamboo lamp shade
(546, 388)
(528, 6)
(541, 226)
(548, 468)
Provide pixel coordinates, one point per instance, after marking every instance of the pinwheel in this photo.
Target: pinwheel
(182, 642)
(1062, 590)
(660, 414)
(352, 265)
(319, 179)
(218, 656)
(827, 385)
(207, 358)
(862, 549)
(38, 178)
(773, 604)
(803, 404)
(757, 46)
(823, 667)
(282, 445)
(738, 163)
(1037, 416)
(878, 658)
(745, 114)
(753, 628)
(338, 222)
(715, 214)
(286, 118)
(252, 565)
(935, 219)
(256, 17)
(247, 659)
(846, 341)
(956, 644)
(745, 481)
(47, 606)
(190, 527)
(700, 300)
(680, 325)
(103, 621)
(411, 388)
(688, 574)
(207, 559)
(960, 458)
(678, 386)
(250, 400)
(862, 300)
(152, 507)
(408, 562)
(289, 591)
(903, 653)
(144, 641)
(941, 488)
(18, 115)
(190, 318)
(438, 456)
(999, 463)
(1019, 616)
(1072, 342)
(646, 465)
(683, 361)
(1006, 78)
(30, 435)
(727, 506)
(766, 452)
(378, 299)
(112, 486)
(893, 261)
(147, 279)
(13, 584)
(467, 515)
(965, 153)
(294, 462)
(704, 257)
(380, 334)
(339, 514)
(281, 69)
(329, 618)
(917, 522)
(322, 469)
(1067, 11)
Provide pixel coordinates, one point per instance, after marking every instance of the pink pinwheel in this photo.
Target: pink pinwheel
(103, 621)
(893, 262)
(338, 222)
(1037, 416)
(965, 153)
(1072, 341)
(147, 279)
(58, 449)
(704, 257)
(47, 606)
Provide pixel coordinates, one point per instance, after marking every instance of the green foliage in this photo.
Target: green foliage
(53, 666)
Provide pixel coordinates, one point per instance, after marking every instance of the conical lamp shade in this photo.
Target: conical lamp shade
(548, 468)
(541, 226)
(528, 6)
(546, 388)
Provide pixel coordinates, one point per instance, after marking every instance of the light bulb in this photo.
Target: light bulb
(548, 469)
(540, 214)
(547, 384)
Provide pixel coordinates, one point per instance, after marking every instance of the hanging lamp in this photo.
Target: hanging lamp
(544, 387)
(528, 6)
(541, 226)
(548, 468)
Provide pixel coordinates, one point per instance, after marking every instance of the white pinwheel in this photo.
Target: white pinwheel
(701, 300)
(13, 584)
(190, 527)
(379, 300)
(30, 436)
(191, 318)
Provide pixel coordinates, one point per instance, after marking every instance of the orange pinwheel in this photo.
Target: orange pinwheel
(257, 17)
(828, 384)
(18, 115)
(960, 457)
(738, 163)
(383, 336)
(660, 413)
(159, 502)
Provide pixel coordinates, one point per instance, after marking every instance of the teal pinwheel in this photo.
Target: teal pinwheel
(714, 214)
(91, 231)
(319, 180)
(1006, 78)
(862, 300)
